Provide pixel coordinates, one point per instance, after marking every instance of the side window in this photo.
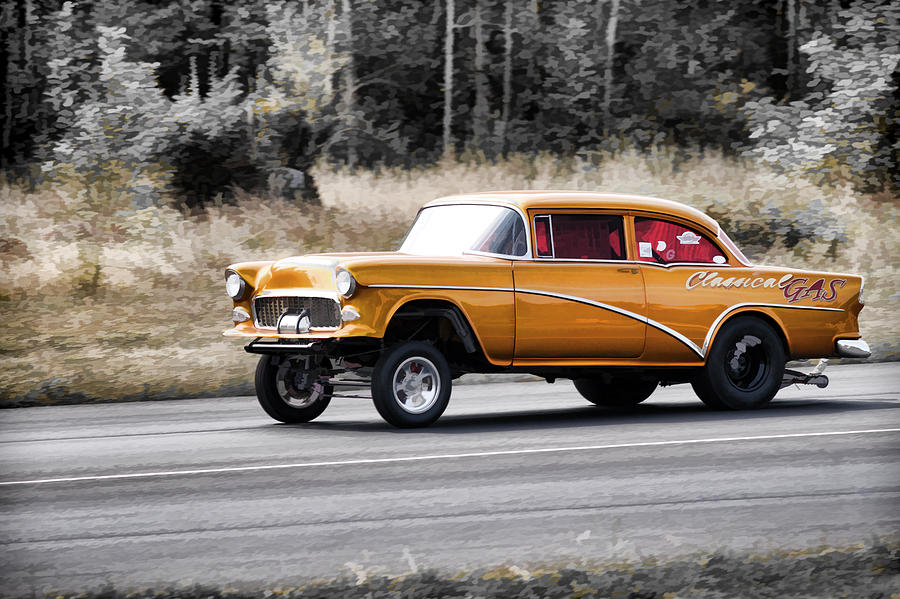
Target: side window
(664, 242)
(543, 243)
(579, 237)
(505, 236)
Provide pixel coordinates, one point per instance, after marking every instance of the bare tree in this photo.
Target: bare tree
(20, 99)
(448, 77)
(348, 99)
(507, 74)
(330, 33)
(792, 46)
(611, 25)
(481, 110)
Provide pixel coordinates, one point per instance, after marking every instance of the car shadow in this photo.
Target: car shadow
(648, 413)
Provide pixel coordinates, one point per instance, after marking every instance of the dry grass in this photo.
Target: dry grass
(131, 303)
(867, 570)
(103, 302)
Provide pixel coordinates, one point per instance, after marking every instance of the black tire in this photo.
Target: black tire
(285, 395)
(618, 392)
(744, 367)
(425, 395)
(709, 399)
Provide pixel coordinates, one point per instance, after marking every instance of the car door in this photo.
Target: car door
(670, 253)
(579, 298)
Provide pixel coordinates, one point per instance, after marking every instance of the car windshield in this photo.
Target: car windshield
(454, 229)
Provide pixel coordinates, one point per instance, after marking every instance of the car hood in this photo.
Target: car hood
(371, 268)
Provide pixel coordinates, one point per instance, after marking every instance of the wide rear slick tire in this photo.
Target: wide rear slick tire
(744, 367)
(277, 392)
(411, 384)
(619, 393)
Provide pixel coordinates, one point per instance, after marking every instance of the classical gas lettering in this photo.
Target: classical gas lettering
(831, 286)
(706, 278)
(794, 288)
(800, 289)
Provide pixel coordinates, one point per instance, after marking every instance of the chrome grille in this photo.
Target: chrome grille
(323, 312)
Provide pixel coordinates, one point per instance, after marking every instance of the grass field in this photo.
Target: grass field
(101, 301)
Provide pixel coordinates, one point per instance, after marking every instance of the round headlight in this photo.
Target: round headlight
(346, 284)
(235, 286)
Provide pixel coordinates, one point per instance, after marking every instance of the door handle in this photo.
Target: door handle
(633, 271)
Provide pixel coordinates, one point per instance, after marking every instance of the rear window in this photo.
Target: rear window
(579, 236)
(665, 242)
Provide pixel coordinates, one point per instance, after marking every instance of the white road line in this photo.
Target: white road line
(449, 456)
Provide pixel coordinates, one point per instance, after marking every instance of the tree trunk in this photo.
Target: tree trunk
(5, 159)
(8, 15)
(608, 72)
(349, 99)
(533, 91)
(507, 76)
(791, 47)
(448, 77)
(481, 111)
(330, 31)
(331, 19)
(833, 10)
(596, 115)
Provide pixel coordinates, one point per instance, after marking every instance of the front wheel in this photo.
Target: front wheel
(615, 393)
(289, 389)
(744, 368)
(411, 384)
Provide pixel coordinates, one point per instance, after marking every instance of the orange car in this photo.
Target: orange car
(619, 293)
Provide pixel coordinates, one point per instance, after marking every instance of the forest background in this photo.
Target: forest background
(147, 145)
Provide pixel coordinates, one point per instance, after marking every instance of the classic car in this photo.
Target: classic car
(619, 293)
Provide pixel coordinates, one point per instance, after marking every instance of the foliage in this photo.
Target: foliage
(211, 136)
(124, 122)
(841, 125)
(866, 570)
(809, 87)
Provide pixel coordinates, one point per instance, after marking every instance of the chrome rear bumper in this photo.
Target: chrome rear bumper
(853, 348)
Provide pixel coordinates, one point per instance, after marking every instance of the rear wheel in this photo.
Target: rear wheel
(616, 392)
(744, 367)
(411, 384)
(290, 389)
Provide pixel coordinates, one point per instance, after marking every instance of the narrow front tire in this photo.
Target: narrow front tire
(289, 389)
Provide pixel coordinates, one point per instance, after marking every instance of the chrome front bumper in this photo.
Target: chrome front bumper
(853, 348)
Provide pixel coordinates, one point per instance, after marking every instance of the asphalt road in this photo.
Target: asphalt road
(212, 491)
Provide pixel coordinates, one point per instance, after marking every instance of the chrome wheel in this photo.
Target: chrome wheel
(411, 384)
(297, 385)
(416, 385)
